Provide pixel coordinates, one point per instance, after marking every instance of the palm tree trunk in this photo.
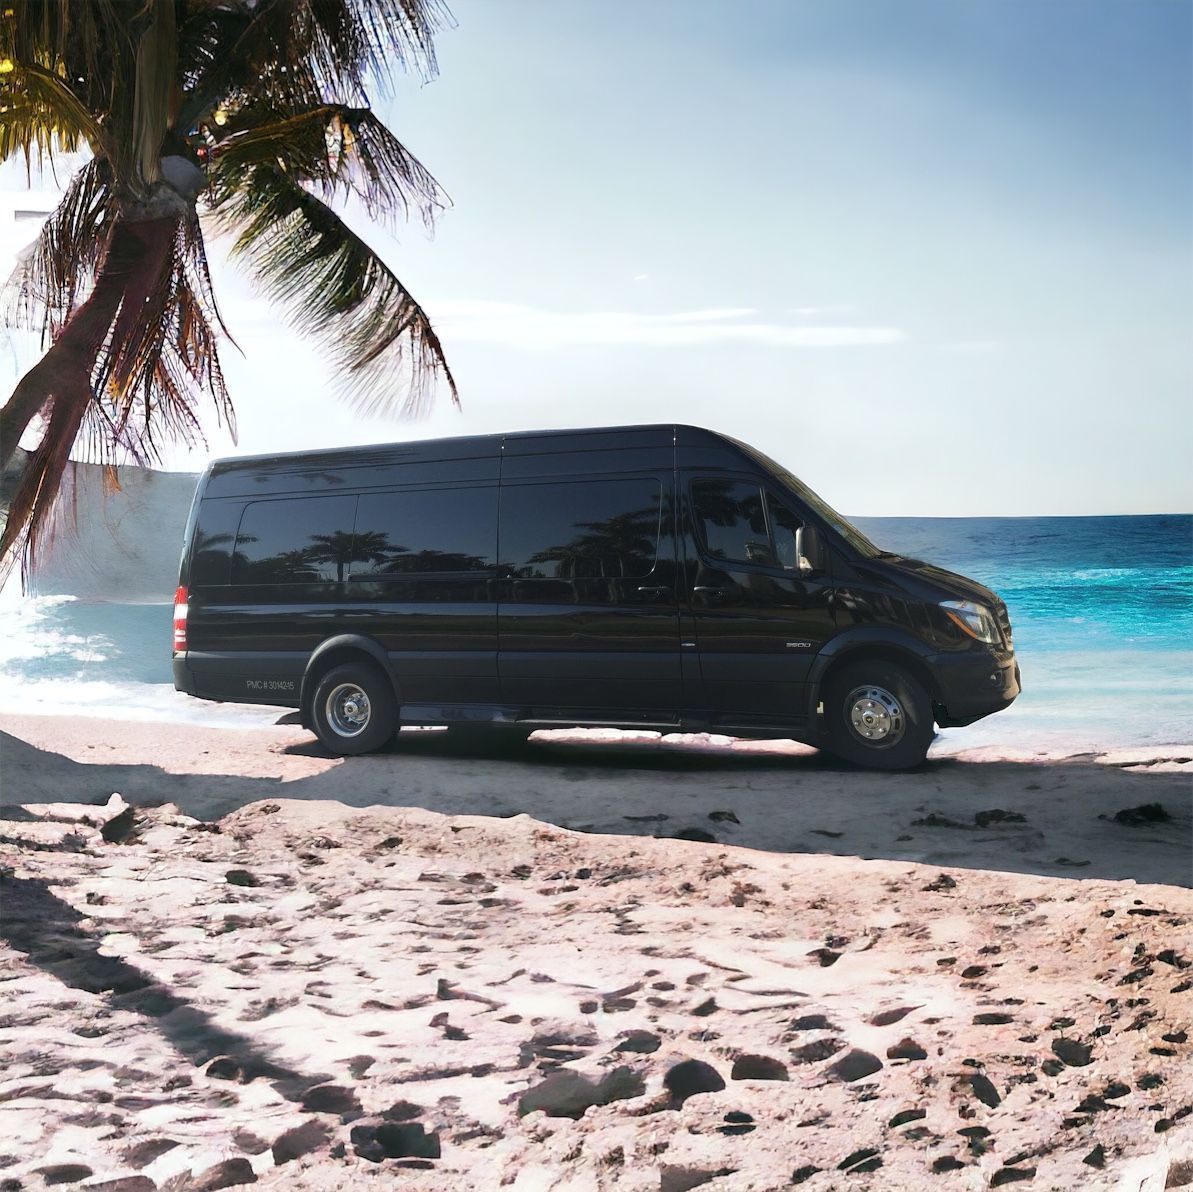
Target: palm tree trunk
(60, 382)
(57, 372)
(78, 344)
(43, 472)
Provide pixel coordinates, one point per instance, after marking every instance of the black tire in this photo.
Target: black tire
(344, 721)
(877, 714)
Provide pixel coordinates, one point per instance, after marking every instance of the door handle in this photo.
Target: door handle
(655, 592)
(711, 592)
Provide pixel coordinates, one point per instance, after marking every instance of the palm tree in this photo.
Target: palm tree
(344, 548)
(624, 538)
(255, 112)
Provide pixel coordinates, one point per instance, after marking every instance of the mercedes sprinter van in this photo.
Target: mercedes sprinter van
(661, 577)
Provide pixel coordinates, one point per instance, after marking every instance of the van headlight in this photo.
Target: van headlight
(973, 619)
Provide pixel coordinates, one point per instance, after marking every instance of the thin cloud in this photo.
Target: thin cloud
(805, 312)
(527, 327)
(965, 346)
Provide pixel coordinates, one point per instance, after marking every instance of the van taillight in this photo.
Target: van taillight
(179, 620)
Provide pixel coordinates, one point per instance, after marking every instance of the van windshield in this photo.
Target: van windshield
(824, 511)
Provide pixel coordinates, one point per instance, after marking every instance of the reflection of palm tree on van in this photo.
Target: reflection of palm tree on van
(730, 505)
(620, 546)
(343, 548)
(720, 505)
(302, 565)
(204, 542)
(373, 546)
(211, 551)
(286, 567)
(628, 539)
(401, 559)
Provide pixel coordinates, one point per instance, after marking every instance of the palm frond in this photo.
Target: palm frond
(333, 287)
(335, 149)
(68, 59)
(292, 55)
(82, 34)
(161, 357)
(383, 173)
(343, 42)
(40, 113)
(376, 36)
(53, 274)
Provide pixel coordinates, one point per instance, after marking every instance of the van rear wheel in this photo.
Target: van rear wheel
(878, 715)
(353, 709)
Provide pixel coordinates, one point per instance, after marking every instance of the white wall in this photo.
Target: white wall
(121, 545)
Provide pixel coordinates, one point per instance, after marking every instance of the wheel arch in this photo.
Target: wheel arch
(862, 648)
(344, 647)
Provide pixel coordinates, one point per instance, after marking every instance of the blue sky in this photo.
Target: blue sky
(936, 257)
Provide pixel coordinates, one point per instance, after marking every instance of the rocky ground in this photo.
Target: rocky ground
(308, 995)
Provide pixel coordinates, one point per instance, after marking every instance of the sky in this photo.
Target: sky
(934, 257)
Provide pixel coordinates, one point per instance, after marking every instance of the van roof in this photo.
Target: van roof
(463, 446)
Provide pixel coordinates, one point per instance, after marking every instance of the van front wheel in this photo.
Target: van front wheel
(878, 715)
(353, 709)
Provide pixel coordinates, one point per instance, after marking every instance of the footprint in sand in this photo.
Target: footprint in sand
(758, 1067)
(891, 1016)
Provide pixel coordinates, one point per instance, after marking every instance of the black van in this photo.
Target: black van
(647, 576)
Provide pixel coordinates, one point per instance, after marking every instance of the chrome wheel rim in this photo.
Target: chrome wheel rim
(876, 715)
(348, 710)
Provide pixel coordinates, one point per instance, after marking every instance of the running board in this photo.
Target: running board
(588, 722)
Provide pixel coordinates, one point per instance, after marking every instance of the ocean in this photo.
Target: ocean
(1102, 609)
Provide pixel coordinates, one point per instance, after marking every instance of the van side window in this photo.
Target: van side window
(303, 540)
(211, 549)
(416, 533)
(591, 529)
(731, 521)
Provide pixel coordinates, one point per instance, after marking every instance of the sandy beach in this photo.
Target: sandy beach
(778, 795)
(584, 966)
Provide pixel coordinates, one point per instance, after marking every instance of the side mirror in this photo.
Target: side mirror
(809, 551)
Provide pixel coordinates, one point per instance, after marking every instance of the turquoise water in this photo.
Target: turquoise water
(1069, 582)
(1102, 609)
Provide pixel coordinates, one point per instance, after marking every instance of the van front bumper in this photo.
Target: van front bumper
(971, 685)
